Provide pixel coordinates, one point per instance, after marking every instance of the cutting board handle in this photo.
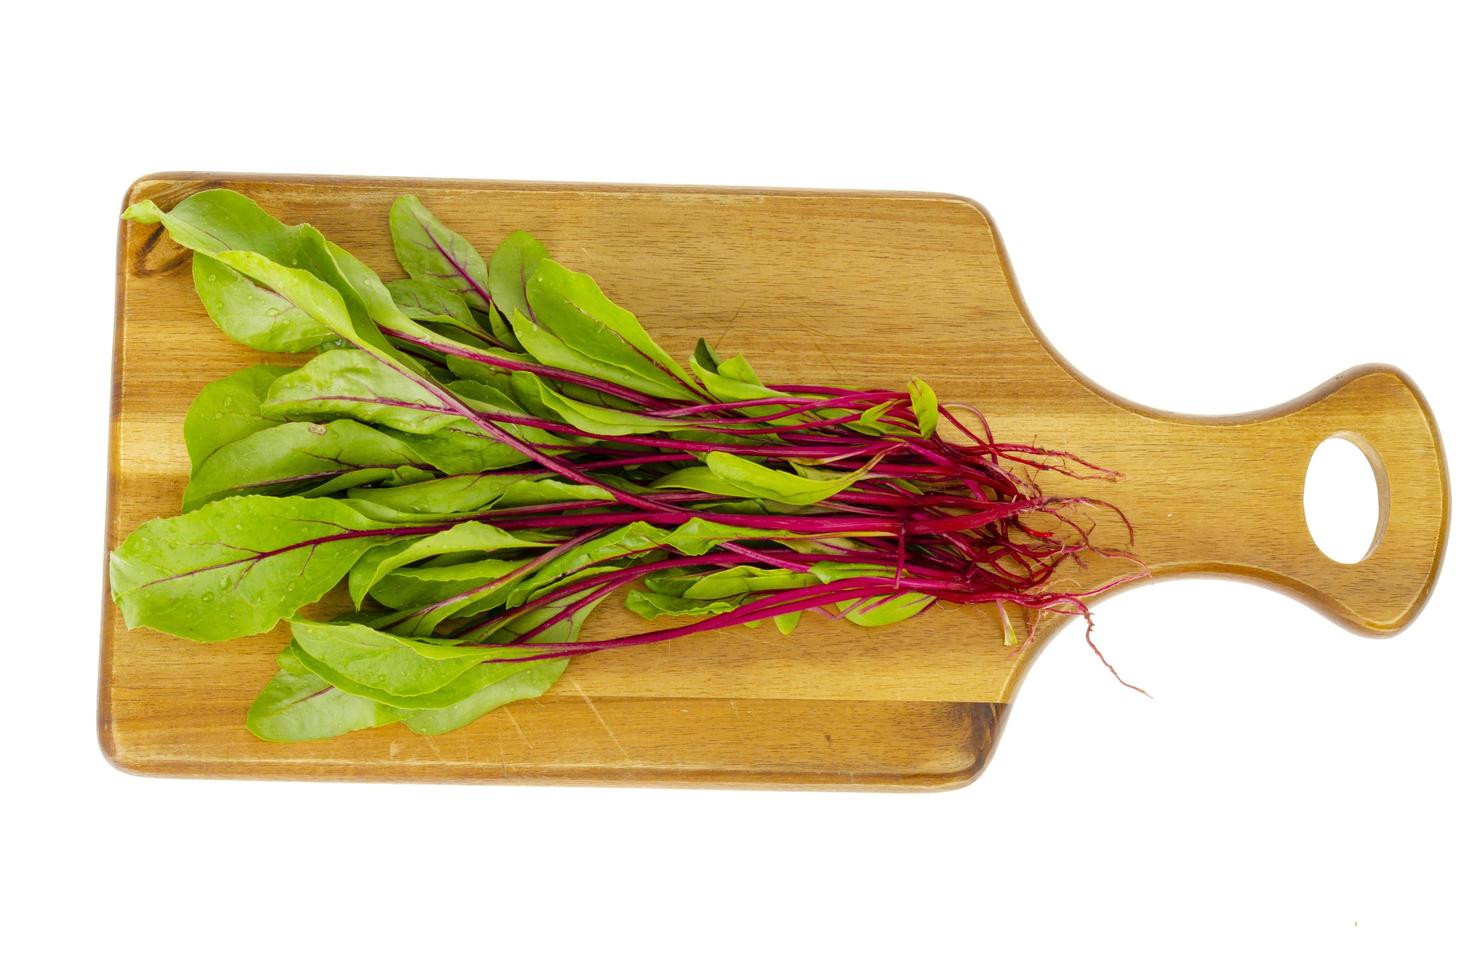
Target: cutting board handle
(1241, 480)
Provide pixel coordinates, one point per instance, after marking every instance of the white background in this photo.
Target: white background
(1207, 212)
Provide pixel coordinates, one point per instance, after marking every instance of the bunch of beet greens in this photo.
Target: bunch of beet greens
(487, 450)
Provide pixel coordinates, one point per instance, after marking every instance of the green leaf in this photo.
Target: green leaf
(738, 580)
(345, 309)
(356, 385)
(893, 610)
(730, 389)
(485, 594)
(394, 670)
(927, 412)
(487, 374)
(500, 687)
(765, 483)
(509, 269)
(427, 302)
(574, 327)
(786, 624)
(535, 680)
(476, 492)
(421, 585)
(651, 605)
(254, 314)
(700, 478)
(491, 399)
(837, 571)
(539, 399)
(705, 356)
(431, 252)
(380, 309)
(725, 474)
(416, 674)
(695, 536)
(305, 291)
(463, 494)
(620, 542)
(470, 536)
(219, 220)
(698, 536)
(867, 613)
(228, 410)
(548, 491)
(572, 306)
(473, 598)
(233, 230)
(462, 447)
(237, 566)
(870, 419)
(623, 366)
(298, 705)
(738, 369)
(291, 457)
(500, 378)
(352, 478)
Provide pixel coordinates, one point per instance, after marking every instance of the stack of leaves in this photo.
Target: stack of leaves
(487, 450)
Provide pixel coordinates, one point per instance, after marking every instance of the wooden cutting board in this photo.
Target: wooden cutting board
(846, 288)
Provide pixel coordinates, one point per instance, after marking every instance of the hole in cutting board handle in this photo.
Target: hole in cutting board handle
(1345, 498)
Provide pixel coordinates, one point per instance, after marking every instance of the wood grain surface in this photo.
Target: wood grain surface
(845, 288)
